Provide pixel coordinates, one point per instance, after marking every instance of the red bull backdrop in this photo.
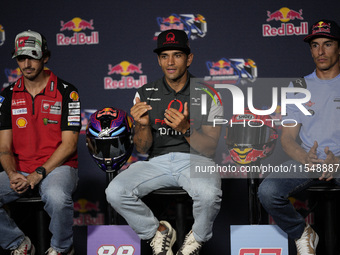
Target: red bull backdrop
(105, 48)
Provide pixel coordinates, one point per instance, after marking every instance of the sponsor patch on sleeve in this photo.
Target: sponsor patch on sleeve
(74, 105)
(74, 111)
(73, 118)
(74, 96)
(73, 123)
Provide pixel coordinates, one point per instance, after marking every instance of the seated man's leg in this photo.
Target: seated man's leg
(205, 191)
(11, 236)
(125, 191)
(56, 192)
(274, 192)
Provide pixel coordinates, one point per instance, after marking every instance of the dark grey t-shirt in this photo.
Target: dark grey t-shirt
(161, 96)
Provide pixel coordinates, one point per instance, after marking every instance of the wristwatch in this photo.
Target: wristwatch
(188, 133)
(41, 170)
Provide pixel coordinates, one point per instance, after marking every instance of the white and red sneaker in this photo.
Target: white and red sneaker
(25, 248)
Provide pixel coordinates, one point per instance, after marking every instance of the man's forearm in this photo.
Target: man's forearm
(64, 151)
(7, 161)
(205, 142)
(295, 151)
(142, 138)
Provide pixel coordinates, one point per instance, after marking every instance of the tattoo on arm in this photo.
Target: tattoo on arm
(143, 145)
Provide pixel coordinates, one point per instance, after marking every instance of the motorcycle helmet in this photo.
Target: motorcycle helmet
(109, 138)
(250, 137)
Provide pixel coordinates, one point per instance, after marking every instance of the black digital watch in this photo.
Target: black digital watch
(41, 170)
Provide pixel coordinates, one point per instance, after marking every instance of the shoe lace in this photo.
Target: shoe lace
(158, 242)
(51, 251)
(20, 251)
(191, 245)
(304, 244)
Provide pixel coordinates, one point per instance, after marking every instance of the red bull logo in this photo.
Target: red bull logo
(13, 74)
(84, 206)
(76, 24)
(125, 83)
(298, 204)
(86, 210)
(231, 69)
(321, 27)
(126, 69)
(284, 15)
(79, 38)
(221, 67)
(107, 112)
(194, 25)
(171, 22)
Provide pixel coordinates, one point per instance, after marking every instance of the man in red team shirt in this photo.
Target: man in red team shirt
(39, 128)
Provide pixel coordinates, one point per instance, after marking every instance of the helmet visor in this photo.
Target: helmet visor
(249, 136)
(108, 147)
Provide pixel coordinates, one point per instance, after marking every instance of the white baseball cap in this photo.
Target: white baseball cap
(29, 43)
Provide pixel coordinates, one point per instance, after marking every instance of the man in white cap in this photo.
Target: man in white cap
(39, 128)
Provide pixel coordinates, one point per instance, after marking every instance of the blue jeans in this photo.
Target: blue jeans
(274, 192)
(125, 191)
(56, 193)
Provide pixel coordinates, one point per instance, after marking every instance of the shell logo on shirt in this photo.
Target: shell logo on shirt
(74, 96)
(21, 122)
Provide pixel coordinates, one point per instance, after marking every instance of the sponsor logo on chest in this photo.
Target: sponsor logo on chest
(51, 107)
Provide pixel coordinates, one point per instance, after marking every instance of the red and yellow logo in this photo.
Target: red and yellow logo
(125, 68)
(21, 122)
(76, 24)
(74, 96)
(284, 15)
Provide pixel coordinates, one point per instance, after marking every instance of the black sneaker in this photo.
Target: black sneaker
(190, 245)
(161, 243)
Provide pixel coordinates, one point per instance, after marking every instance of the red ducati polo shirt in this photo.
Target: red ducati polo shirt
(37, 123)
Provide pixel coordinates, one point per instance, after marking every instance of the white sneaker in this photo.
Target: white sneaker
(161, 243)
(190, 245)
(307, 243)
(52, 251)
(25, 248)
